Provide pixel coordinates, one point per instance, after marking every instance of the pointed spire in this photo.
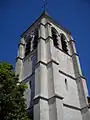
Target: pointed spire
(44, 5)
(45, 12)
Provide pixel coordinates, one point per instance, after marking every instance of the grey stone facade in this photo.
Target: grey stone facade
(56, 87)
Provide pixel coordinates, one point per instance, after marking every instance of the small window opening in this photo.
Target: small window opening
(66, 84)
(35, 42)
(54, 37)
(30, 84)
(28, 47)
(64, 44)
(88, 98)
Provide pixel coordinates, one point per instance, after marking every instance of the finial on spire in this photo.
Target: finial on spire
(44, 5)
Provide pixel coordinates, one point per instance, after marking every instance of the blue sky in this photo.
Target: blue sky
(17, 15)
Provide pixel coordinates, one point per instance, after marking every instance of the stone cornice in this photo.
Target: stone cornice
(36, 66)
(80, 76)
(21, 44)
(71, 41)
(70, 106)
(46, 64)
(49, 100)
(44, 24)
(67, 75)
(74, 54)
(72, 76)
(37, 98)
(18, 58)
(84, 109)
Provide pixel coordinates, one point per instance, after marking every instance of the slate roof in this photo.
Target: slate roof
(46, 15)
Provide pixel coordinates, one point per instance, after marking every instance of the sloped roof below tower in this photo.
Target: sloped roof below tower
(46, 15)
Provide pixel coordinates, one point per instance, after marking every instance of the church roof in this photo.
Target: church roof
(46, 15)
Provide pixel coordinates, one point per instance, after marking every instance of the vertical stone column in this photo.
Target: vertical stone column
(41, 109)
(75, 58)
(80, 83)
(19, 59)
(32, 39)
(58, 93)
(49, 33)
(49, 42)
(41, 50)
(59, 108)
(59, 41)
(55, 102)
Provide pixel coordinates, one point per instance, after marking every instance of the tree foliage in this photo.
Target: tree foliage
(12, 102)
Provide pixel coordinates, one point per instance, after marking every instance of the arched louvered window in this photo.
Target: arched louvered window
(35, 42)
(54, 37)
(28, 47)
(64, 43)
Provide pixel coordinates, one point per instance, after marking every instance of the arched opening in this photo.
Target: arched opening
(64, 43)
(35, 42)
(28, 47)
(54, 37)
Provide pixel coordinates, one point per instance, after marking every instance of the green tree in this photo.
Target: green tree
(12, 102)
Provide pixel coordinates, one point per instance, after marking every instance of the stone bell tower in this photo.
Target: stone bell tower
(48, 63)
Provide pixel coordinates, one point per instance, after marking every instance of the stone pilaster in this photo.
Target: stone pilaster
(41, 50)
(19, 59)
(59, 108)
(79, 82)
(75, 58)
(41, 108)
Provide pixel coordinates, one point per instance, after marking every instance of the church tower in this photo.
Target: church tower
(48, 63)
